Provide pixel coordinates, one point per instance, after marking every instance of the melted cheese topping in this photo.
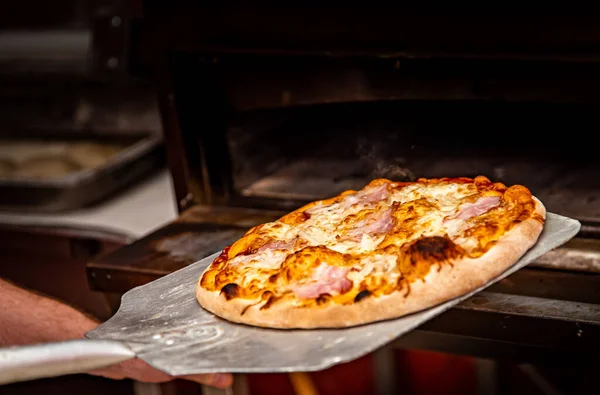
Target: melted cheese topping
(381, 238)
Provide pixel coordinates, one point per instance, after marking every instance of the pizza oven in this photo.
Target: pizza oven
(265, 109)
(274, 117)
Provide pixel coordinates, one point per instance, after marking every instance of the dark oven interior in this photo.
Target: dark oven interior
(276, 131)
(265, 109)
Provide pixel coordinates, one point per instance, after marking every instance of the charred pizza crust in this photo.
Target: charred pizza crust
(436, 254)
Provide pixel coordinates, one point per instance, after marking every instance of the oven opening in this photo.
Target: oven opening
(291, 156)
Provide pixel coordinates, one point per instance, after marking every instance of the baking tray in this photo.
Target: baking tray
(162, 323)
(143, 153)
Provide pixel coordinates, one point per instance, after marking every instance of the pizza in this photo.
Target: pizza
(385, 251)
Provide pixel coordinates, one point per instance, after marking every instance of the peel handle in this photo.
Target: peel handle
(23, 363)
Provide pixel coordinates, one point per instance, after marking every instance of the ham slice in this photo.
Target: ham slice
(375, 224)
(482, 205)
(277, 245)
(369, 196)
(376, 194)
(326, 279)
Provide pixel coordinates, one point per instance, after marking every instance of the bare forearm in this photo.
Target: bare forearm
(27, 318)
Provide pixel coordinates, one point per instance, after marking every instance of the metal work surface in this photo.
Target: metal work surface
(164, 325)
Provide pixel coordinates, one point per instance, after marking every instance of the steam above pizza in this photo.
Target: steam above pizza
(390, 249)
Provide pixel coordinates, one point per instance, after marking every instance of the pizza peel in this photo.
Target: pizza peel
(162, 323)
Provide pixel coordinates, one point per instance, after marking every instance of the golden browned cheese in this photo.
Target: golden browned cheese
(413, 239)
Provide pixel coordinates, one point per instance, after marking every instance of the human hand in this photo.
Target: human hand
(138, 370)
